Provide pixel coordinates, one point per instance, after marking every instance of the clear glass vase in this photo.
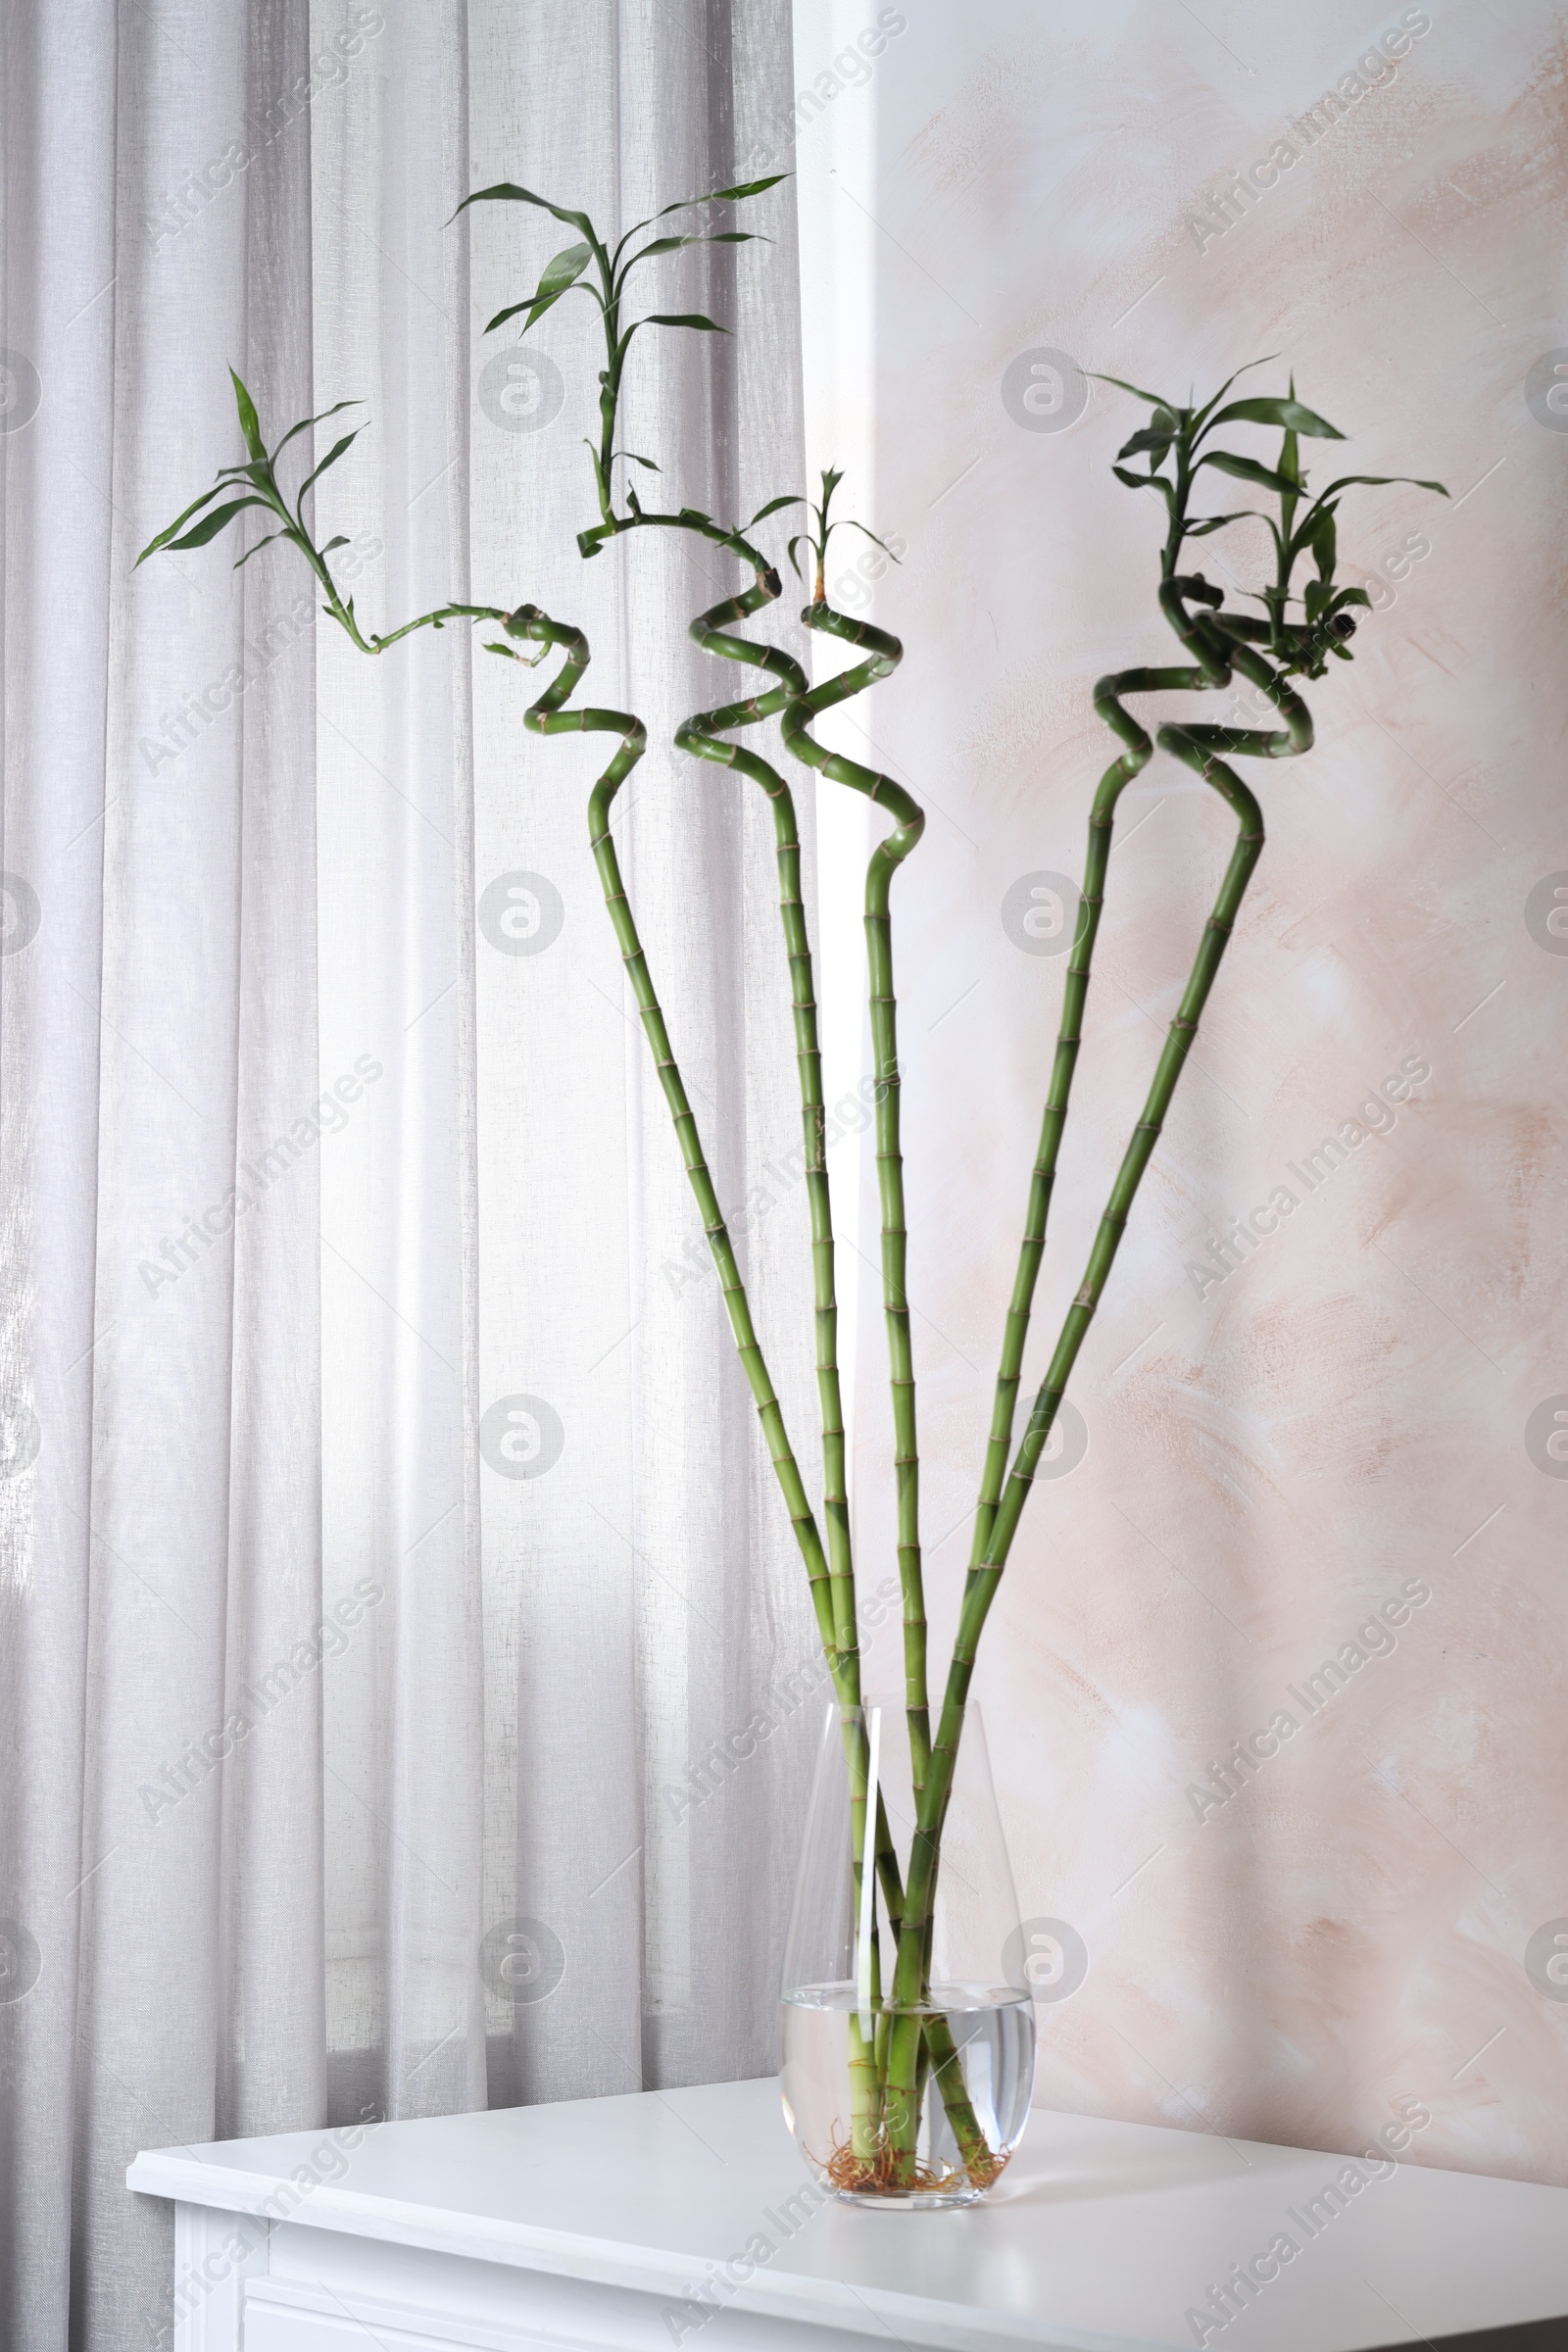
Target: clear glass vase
(902, 2087)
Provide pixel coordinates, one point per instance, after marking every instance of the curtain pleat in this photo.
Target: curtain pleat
(399, 1635)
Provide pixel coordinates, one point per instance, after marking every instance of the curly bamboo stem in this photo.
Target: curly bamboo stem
(547, 716)
(1201, 748)
(934, 2044)
(884, 656)
(702, 736)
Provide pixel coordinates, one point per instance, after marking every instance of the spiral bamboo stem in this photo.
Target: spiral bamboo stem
(1205, 749)
(884, 655)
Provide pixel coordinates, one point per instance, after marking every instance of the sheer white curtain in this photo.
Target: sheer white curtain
(311, 1175)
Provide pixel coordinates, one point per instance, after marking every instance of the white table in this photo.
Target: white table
(670, 2220)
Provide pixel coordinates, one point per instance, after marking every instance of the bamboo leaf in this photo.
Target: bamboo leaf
(632, 459)
(684, 319)
(165, 536)
(510, 312)
(1141, 481)
(721, 236)
(1248, 470)
(331, 457)
(559, 273)
(1288, 414)
(507, 191)
(1209, 406)
(750, 187)
(249, 424)
(1151, 438)
(1155, 399)
(850, 524)
(1214, 522)
(1380, 482)
(791, 499)
(1351, 596)
(305, 424)
(211, 524)
(1325, 545)
(341, 540)
(241, 561)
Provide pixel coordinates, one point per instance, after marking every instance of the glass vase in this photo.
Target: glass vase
(903, 2086)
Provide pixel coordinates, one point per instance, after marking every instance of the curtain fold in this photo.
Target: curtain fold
(401, 1645)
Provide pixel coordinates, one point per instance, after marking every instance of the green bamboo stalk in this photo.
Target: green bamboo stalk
(884, 655)
(1108, 692)
(937, 2050)
(703, 735)
(545, 716)
(1200, 746)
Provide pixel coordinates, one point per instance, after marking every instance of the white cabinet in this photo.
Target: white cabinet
(682, 2222)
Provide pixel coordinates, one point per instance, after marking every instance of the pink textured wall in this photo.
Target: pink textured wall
(1343, 1419)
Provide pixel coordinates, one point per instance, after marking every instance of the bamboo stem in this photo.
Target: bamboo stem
(702, 735)
(884, 656)
(1201, 748)
(545, 716)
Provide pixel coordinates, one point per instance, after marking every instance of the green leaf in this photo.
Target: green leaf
(1214, 522)
(507, 191)
(305, 424)
(1288, 414)
(211, 524)
(166, 537)
(632, 459)
(1325, 545)
(791, 499)
(561, 272)
(723, 236)
(1140, 481)
(1155, 398)
(750, 187)
(1151, 438)
(249, 424)
(850, 524)
(1351, 596)
(510, 312)
(1209, 406)
(1316, 597)
(1379, 481)
(240, 560)
(683, 318)
(331, 457)
(1248, 470)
